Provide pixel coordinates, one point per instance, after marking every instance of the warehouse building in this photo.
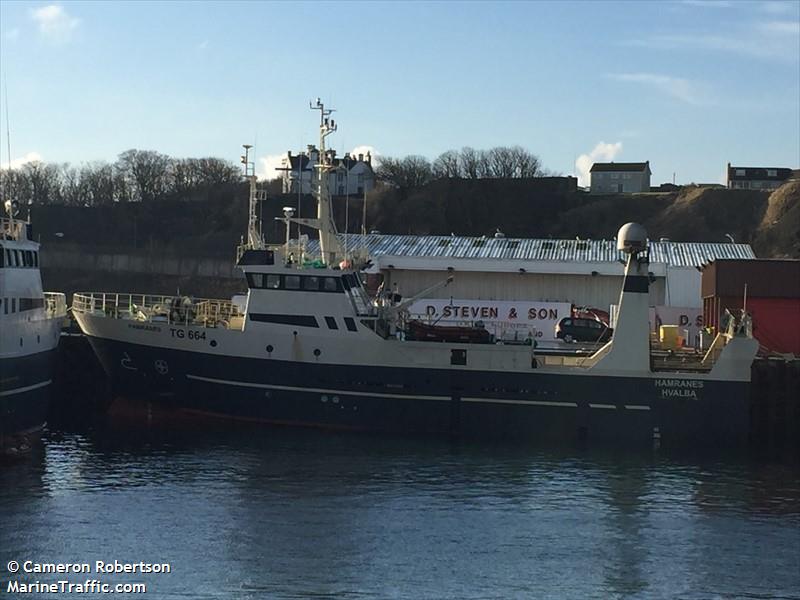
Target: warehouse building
(501, 274)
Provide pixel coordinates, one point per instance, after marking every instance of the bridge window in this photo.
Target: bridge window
(273, 282)
(330, 284)
(311, 284)
(292, 282)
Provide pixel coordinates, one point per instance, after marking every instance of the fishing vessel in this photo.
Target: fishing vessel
(30, 327)
(310, 347)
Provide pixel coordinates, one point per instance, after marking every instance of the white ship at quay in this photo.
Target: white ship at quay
(30, 328)
(311, 348)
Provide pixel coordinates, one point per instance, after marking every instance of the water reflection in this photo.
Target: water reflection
(261, 512)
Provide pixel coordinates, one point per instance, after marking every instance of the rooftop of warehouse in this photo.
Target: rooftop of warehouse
(676, 254)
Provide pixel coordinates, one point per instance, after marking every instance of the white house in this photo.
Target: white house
(351, 175)
(620, 178)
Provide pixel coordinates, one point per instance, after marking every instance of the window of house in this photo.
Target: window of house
(360, 178)
(740, 172)
(341, 190)
(615, 176)
(772, 172)
(626, 175)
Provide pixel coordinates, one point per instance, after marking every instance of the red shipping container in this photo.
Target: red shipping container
(776, 323)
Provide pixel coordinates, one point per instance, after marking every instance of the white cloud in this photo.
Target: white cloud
(55, 23)
(776, 39)
(266, 165)
(16, 163)
(791, 28)
(602, 152)
(707, 3)
(677, 87)
(778, 7)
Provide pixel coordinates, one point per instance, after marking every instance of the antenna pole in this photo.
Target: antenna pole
(253, 236)
(330, 248)
(8, 127)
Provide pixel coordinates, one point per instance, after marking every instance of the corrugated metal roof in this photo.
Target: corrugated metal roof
(676, 254)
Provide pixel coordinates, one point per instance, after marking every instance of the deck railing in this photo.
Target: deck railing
(177, 310)
(55, 305)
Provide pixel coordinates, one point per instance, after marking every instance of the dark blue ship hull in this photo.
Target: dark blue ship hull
(532, 406)
(25, 384)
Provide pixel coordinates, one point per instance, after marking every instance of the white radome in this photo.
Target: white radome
(632, 238)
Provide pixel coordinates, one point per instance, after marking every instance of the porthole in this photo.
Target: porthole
(270, 348)
(317, 352)
(213, 343)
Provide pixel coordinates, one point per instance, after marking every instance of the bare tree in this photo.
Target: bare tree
(70, 186)
(215, 171)
(184, 175)
(525, 163)
(41, 183)
(147, 170)
(410, 172)
(500, 164)
(469, 163)
(447, 165)
(97, 181)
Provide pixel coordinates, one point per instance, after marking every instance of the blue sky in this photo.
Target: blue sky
(688, 85)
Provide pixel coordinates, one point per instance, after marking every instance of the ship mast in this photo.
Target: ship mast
(254, 239)
(330, 248)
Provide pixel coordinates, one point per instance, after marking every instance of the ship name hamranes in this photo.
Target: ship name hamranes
(312, 348)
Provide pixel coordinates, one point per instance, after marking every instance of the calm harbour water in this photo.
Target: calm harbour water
(259, 512)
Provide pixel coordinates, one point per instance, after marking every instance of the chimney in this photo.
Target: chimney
(360, 158)
(369, 158)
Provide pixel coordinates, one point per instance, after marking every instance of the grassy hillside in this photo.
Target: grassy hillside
(519, 208)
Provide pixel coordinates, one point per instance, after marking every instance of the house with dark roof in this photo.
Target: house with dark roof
(620, 178)
(757, 178)
(351, 175)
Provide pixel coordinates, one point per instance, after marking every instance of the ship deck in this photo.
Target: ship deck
(217, 313)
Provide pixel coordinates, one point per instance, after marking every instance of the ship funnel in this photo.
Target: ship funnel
(632, 238)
